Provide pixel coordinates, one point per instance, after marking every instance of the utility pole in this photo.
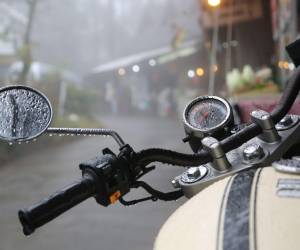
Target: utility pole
(213, 59)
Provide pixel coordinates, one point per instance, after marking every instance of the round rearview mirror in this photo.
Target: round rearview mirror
(25, 113)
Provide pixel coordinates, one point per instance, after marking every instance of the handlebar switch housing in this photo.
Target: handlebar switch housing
(112, 176)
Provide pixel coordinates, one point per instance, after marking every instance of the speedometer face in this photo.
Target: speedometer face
(207, 113)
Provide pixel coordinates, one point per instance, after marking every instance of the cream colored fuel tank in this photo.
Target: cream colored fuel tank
(256, 209)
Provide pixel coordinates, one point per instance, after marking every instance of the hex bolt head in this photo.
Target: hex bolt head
(286, 121)
(193, 172)
(253, 152)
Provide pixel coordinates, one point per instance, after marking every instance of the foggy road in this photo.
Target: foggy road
(88, 226)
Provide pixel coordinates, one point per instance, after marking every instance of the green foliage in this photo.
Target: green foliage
(80, 101)
(249, 80)
(234, 80)
(248, 75)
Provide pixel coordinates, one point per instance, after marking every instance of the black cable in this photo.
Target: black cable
(158, 194)
(145, 157)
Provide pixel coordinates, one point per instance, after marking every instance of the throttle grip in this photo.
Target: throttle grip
(51, 207)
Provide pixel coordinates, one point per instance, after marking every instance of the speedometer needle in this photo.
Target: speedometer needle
(203, 116)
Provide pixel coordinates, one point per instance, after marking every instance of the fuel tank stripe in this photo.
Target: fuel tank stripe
(222, 214)
(253, 210)
(236, 217)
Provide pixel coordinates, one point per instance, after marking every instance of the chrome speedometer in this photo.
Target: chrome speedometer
(205, 115)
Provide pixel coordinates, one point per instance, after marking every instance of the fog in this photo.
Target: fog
(79, 35)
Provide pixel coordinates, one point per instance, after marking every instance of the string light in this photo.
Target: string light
(121, 71)
(214, 3)
(135, 68)
(200, 71)
(191, 73)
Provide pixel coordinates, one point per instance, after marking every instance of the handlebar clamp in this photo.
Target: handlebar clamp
(264, 120)
(213, 146)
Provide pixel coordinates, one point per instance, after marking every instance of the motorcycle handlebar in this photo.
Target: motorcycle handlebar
(51, 207)
(48, 209)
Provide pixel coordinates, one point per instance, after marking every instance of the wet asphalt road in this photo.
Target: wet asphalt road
(88, 226)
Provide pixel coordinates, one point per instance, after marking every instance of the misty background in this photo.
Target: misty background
(78, 35)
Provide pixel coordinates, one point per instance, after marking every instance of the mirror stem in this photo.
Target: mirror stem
(88, 131)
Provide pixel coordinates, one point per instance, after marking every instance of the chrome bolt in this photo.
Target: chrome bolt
(253, 152)
(193, 172)
(286, 121)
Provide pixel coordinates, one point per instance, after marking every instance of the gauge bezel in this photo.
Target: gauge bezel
(202, 132)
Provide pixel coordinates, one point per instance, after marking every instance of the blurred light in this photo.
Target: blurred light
(291, 66)
(215, 68)
(121, 71)
(280, 64)
(200, 71)
(214, 3)
(286, 65)
(191, 73)
(136, 68)
(152, 62)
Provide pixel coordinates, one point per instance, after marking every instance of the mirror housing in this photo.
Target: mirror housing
(25, 113)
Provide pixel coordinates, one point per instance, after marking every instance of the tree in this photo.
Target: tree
(25, 50)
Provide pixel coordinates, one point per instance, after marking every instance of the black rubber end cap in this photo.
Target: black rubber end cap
(28, 228)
